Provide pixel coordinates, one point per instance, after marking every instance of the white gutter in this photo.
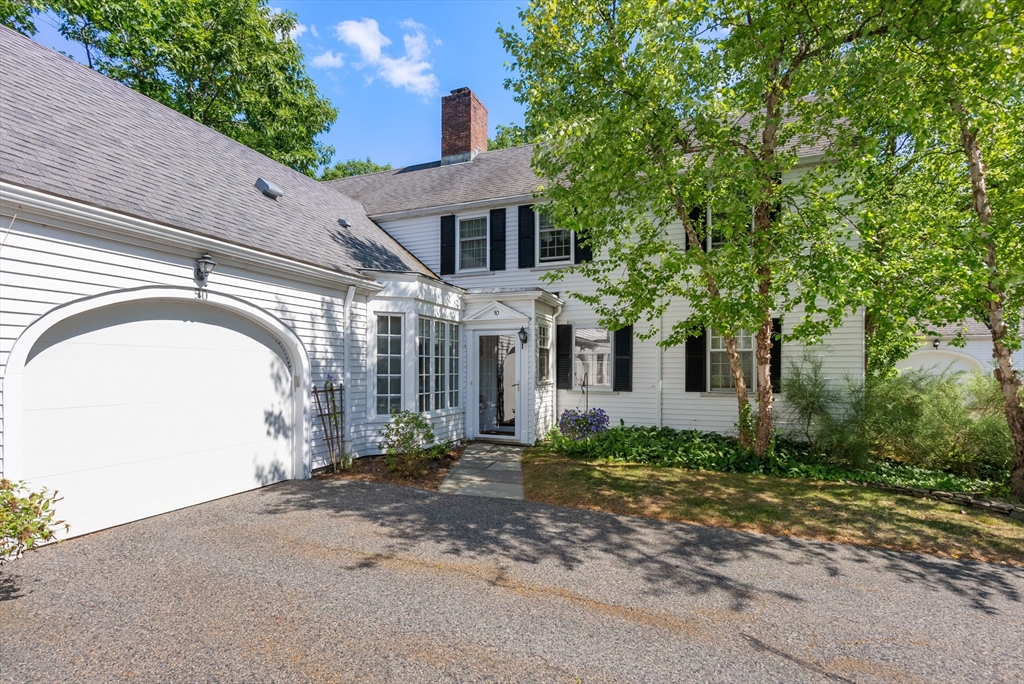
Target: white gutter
(453, 208)
(346, 437)
(78, 216)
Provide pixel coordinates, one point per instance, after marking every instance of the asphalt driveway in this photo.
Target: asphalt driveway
(348, 581)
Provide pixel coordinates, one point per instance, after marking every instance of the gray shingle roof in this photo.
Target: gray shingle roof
(67, 130)
(491, 175)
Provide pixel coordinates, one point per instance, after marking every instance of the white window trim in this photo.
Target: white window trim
(546, 265)
(458, 243)
(751, 389)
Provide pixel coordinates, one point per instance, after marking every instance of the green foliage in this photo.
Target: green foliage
(951, 423)
(404, 440)
(19, 15)
(27, 519)
(352, 167)
(649, 111)
(229, 64)
(512, 135)
(694, 450)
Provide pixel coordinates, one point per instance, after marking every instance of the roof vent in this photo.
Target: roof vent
(344, 224)
(269, 189)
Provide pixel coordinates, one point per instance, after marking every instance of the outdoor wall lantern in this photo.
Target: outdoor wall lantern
(935, 344)
(204, 267)
(522, 336)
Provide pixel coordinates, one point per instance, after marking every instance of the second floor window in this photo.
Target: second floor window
(473, 243)
(555, 244)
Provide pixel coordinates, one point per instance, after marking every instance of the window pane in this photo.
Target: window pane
(389, 363)
(555, 244)
(473, 254)
(473, 228)
(592, 353)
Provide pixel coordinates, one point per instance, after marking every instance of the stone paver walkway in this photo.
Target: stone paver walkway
(487, 469)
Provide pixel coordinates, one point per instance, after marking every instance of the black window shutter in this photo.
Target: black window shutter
(526, 236)
(623, 372)
(697, 217)
(497, 239)
(563, 357)
(696, 363)
(582, 252)
(448, 244)
(775, 361)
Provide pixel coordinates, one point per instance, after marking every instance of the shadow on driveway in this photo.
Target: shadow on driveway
(667, 557)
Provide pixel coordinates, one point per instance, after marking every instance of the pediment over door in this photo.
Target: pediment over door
(495, 312)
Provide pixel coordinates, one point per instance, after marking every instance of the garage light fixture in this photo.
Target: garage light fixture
(523, 336)
(935, 344)
(204, 267)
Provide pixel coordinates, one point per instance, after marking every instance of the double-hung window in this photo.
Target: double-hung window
(543, 353)
(389, 364)
(438, 347)
(718, 360)
(473, 244)
(554, 244)
(592, 353)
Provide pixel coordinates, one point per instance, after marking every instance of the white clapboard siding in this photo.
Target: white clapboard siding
(42, 267)
(842, 351)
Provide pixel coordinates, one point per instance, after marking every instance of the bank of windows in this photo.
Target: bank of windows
(473, 244)
(554, 244)
(543, 353)
(592, 357)
(437, 345)
(389, 364)
(719, 370)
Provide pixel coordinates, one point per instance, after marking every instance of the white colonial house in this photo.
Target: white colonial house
(169, 298)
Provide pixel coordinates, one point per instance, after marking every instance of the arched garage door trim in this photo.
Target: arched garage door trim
(298, 360)
(928, 358)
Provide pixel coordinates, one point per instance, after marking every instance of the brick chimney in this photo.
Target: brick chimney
(463, 127)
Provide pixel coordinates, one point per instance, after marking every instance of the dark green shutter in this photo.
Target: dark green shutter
(497, 239)
(623, 371)
(563, 357)
(697, 217)
(448, 244)
(526, 236)
(582, 251)
(775, 360)
(696, 363)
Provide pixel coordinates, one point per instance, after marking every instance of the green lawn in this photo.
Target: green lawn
(812, 509)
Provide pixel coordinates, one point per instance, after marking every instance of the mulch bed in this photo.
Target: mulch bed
(375, 469)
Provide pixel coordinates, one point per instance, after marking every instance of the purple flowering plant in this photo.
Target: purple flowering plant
(576, 424)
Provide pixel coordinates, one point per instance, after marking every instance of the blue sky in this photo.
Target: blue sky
(385, 65)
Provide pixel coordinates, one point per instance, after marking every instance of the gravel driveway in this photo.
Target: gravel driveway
(360, 582)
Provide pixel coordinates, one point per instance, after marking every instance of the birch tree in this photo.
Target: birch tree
(650, 115)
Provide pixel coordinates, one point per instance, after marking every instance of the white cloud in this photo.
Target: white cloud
(312, 29)
(328, 60)
(411, 71)
(365, 35)
(297, 31)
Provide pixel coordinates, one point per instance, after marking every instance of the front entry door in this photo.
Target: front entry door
(499, 386)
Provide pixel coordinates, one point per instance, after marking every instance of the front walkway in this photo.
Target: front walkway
(487, 469)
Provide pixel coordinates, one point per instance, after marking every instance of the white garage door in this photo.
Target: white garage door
(140, 409)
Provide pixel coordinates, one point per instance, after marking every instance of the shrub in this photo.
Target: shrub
(406, 436)
(944, 422)
(26, 519)
(577, 424)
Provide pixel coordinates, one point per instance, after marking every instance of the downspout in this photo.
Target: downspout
(661, 360)
(346, 371)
